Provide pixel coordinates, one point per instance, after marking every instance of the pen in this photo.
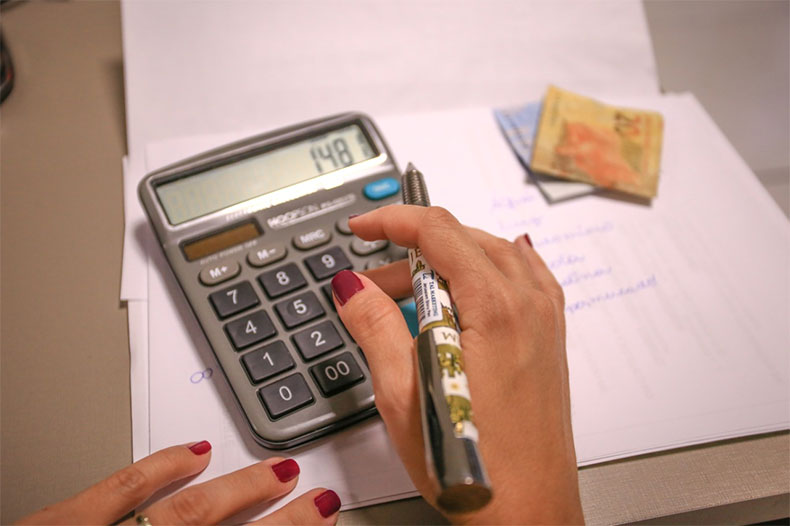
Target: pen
(449, 434)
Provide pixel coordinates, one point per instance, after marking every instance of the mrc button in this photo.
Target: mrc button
(312, 239)
(219, 272)
(381, 188)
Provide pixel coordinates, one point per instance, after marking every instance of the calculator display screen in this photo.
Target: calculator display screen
(211, 190)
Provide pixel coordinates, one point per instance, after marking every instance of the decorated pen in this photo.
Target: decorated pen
(449, 434)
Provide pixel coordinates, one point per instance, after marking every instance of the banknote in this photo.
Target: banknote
(583, 140)
(519, 125)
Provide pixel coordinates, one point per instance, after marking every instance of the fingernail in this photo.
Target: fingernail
(201, 448)
(528, 240)
(286, 470)
(327, 503)
(352, 216)
(345, 284)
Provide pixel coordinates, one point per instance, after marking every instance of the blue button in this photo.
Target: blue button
(409, 312)
(381, 188)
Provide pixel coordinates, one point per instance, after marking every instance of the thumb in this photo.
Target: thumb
(376, 323)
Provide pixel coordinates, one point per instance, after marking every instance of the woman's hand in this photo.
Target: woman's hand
(206, 503)
(510, 310)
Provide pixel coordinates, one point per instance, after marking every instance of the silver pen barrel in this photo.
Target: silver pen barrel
(449, 434)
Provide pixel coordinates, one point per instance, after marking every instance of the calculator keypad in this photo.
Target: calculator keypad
(299, 309)
(327, 263)
(250, 329)
(282, 280)
(268, 361)
(317, 340)
(285, 396)
(233, 300)
(337, 374)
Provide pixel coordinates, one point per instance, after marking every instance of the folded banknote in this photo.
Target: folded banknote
(519, 126)
(583, 140)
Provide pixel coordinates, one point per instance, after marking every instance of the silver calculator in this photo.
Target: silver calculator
(254, 232)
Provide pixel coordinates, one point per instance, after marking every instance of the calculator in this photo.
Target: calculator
(254, 232)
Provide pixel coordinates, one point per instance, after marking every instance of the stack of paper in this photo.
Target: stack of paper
(674, 336)
(676, 311)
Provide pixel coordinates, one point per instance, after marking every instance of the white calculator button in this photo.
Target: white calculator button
(262, 256)
(219, 272)
(312, 238)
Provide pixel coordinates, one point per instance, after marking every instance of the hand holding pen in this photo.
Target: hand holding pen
(510, 311)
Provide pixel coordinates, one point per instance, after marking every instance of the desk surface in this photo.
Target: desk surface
(65, 362)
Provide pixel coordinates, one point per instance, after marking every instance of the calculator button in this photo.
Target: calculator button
(409, 312)
(342, 226)
(327, 263)
(285, 396)
(250, 329)
(282, 280)
(317, 340)
(299, 309)
(312, 239)
(260, 257)
(337, 374)
(235, 299)
(377, 262)
(219, 272)
(327, 290)
(268, 361)
(361, 247)
(381, 188)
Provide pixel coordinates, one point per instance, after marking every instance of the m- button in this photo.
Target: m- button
(312, 239)
(219, 272)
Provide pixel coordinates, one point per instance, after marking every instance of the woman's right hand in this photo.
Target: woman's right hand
(511, 312)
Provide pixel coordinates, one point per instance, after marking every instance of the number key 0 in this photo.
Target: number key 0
(282, 280)
(286, 395)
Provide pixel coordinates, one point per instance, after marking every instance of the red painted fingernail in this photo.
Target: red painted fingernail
(528, 240)
(286, 470)
(345, 284)
(327, 503)
(201, 448)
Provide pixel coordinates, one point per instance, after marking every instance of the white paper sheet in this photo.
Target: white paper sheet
(213, 66)
(676, 311)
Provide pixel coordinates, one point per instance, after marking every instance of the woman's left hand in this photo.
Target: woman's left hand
(208, 503)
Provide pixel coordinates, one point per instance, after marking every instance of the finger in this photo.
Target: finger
(447, 246)
(394, 279)
(318, 506)
(377, 325)
(506, 256)
(124, 490)
(543, 276)
(219, 498)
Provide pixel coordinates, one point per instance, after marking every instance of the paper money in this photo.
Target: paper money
(583, 140)
(519, 126)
